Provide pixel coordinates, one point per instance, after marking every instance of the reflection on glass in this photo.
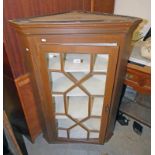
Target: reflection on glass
(62, 133)
(97, 106)
(78, 108)
(77, 62)
(101, 63)
(60, 82)
(79, 75)
(93, 124)
(54, 61)
(78, 132)
(59, 104)
(94, 135)
(78, 92)
(95, 84)
(64, 121)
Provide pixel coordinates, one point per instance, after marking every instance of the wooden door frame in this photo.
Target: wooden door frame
(113, 55)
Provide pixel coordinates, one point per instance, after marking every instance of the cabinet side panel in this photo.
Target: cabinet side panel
(26, 96)
(13, 107)
(11, 101)
(124, 53)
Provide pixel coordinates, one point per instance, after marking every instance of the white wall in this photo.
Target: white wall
(136, 8)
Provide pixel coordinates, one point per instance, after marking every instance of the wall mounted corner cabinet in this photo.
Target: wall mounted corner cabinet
(77, 61)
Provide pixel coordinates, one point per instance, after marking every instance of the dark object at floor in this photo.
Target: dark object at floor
(137, 128)
(136, 106)
(13, 138)
(6, 150)
(122, 119)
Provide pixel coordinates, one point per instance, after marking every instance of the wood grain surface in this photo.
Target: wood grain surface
(30, 8)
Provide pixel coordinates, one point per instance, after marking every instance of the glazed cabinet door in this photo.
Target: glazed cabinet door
(77, 82)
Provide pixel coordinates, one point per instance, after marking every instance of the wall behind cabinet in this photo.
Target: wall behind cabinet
(138, 8)
(26, 8)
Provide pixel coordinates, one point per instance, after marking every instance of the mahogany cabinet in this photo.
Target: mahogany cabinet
(17, 78)
(77, 63)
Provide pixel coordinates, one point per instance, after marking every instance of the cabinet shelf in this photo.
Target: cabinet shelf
(95, 85)
(78, 62)
(92, 124)
(81, 103)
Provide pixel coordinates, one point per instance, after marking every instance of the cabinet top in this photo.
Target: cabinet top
(75, 22)
(77, 17)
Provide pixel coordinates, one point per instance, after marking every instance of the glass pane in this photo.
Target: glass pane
(71, 97)
(93, 123)
(77, 62)
(60, 82)
(64, 121)
(97, 106)
(78, 132)
(78, 107)
(59, 104)
(94, 135)
(101, 63)
(79, 75)
(95, 84)
(54, 61)
(62, 133)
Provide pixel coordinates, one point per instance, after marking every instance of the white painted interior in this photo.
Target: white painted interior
(136, 8)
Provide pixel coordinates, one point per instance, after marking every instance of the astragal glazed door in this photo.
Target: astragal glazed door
(77, 80)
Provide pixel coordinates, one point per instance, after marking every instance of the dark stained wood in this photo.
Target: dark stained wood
(41, 37)
(6, 65)
(86, 5)
(125, 51)
(120, 39)
(104, 6)
(11, 137)
(12, 105)
(92, 6)
(16, 63)
(139, 78)
(25, 91)
(142, 69)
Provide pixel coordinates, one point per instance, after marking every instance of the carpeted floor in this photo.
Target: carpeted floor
(124, 142)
